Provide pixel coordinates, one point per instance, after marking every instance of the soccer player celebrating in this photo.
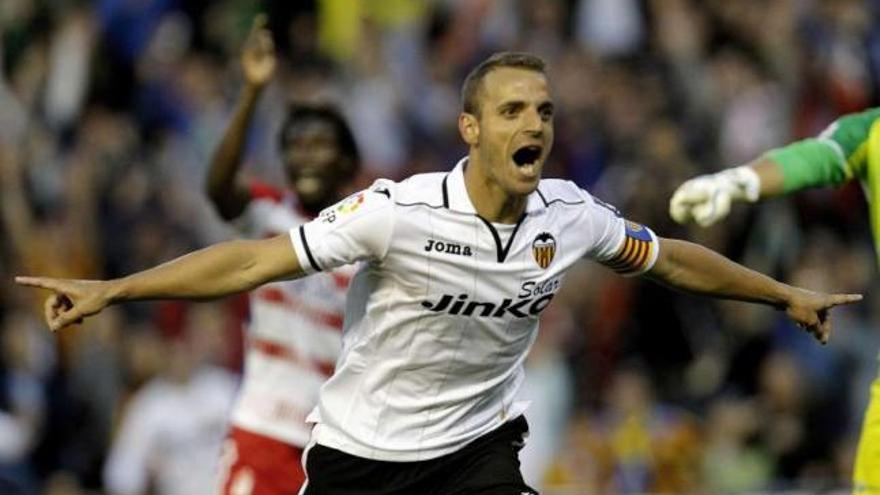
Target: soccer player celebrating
(456, 269)
(294, 333)
(849, 149)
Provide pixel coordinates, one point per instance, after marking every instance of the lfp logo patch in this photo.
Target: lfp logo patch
(543, 249)
(344, 207)
(350, 204)
(637, 231)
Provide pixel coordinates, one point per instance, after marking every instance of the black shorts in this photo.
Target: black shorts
(488, 465)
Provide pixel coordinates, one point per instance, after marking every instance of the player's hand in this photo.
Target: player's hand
(706, 199)
(71, 300)
(258, 59)
(810, 310)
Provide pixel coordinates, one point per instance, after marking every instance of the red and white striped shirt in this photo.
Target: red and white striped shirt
(294, 334)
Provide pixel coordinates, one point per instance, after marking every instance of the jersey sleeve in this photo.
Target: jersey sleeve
(837, 155)
(358, 228)
(626, 247)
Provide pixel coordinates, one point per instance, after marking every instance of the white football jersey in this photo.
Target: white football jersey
(445, 308)
(294, 334)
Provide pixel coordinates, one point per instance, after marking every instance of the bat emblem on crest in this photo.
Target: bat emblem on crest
(543, 249)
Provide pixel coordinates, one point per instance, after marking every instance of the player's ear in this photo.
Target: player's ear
(469, 128)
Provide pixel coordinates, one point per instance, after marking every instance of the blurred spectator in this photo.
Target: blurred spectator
(634, 444)
(610, 27)
(172, 428)
(732, 463)
(25, 361)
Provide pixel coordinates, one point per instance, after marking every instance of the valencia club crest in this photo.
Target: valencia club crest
(543, 249)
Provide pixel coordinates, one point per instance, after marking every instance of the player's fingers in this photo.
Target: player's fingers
(681, 204)
(50, 308)
(74, 315)
(53, 284)
(804, 317)
(839, 299)
(252, 41)
(814, 331)
(705, 214)
(812, 322)
(265, 42)
(679, 212)
(825, 331)
(259, 23)
(55, 302)
(690, 193)
(713, 210)
(820, 326)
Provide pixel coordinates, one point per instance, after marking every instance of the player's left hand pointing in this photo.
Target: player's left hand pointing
(810, 310)
(71, 301)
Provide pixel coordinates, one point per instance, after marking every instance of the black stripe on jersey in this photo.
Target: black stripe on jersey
(436, 207)
(445, 193)
(302, 236)
(502, 251)
(557, 200)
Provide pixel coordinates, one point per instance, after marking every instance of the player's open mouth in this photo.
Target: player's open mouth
(527, 155)
(309, 181)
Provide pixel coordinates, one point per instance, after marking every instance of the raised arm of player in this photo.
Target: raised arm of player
(834, 157)
(258, 62)
(693, 268)
(215, 271)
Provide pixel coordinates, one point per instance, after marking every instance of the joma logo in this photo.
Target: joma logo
(448, 248)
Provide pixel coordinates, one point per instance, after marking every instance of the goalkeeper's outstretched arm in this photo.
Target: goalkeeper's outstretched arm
(838, 155)
(707, 199)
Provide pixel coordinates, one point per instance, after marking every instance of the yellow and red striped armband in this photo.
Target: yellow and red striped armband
(637, 253)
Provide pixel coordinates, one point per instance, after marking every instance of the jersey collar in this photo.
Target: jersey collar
(455, 195)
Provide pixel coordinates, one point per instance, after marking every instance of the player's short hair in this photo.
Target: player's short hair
(473, 83)
(298, 113)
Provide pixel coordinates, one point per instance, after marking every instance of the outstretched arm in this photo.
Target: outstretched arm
(258, 62)
(215, 271)
(834, 157)
(770, 177)
(693, 268)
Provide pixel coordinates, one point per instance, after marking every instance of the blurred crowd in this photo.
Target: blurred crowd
(109, 113)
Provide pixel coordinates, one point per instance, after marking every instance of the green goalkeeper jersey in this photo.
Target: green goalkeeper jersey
(848, 149)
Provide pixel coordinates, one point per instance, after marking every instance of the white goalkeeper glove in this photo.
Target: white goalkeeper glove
(706, 199)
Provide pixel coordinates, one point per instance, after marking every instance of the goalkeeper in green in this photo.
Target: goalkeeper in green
(849, 149)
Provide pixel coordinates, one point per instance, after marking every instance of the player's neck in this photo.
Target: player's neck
(491, 201)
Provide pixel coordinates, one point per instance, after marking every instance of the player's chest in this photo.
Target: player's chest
(461, 244)
(466, 266)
